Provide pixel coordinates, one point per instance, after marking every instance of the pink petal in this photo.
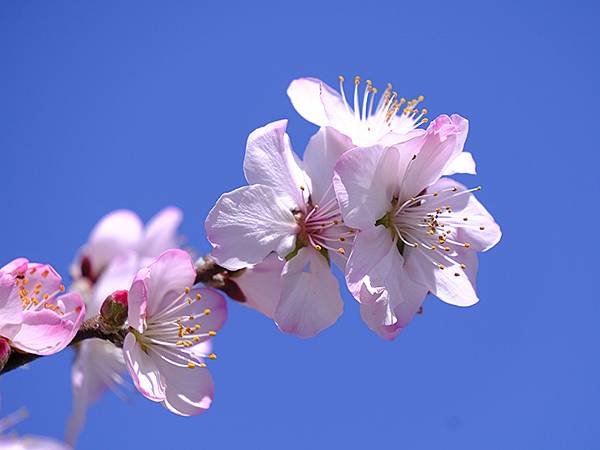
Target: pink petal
(480, 230)
(44, 331)
(261, 284)
(376, 277)
(463, 163)
(116, 232)
(434, 151)
(211, 300)
(270, 161)
(144, 371)
(315, 101)
(161, 232)
(10, 305)
(117, 276)
(365, 181)
(15, 267)
(323, 151)
(249, 223)
(138, 300)
(454, 289)
(189, 392)
(310, 298)
(167, 277)
(98, 366)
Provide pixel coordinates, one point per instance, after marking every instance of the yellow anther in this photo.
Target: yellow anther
(441, 266)
(357, 80)
(342, 79)
(191, 365)
(463, 266)
(197, 326)
(212, 356)
(203, 365)
(424, 111)
(25, 281)
(186, 290)
(212, 333)
(196, 339)
(207, 312)
(61, 288)
(424, 120)
(318, 248)
(421, 98)
(198, 296)
(341, 251)
(467, 245)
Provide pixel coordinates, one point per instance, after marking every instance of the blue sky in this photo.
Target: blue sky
(141, 105)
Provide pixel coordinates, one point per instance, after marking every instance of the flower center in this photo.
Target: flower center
(370, 123)
(322, 227)
(175, 329)
(427, 223)
(35, 296)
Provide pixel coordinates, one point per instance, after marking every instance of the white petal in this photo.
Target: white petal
(143, 370)
(98, 366)
(168, 276)
(376, 277)
(189, 391)
(451, 284)
(323, 151)
(261, 284)
(463, 163)
(117, 232)
(310, 298)
(365, 181)
(118, 275)
(270, 161)
(249, 223)
(160, 233)
(316, 101)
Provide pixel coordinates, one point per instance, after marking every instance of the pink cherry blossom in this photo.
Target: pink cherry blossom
(118, 246)
(122, 231)
(36, 316)
(170, 327)
(365, 120)
(290, 209)
(419, 232)
(388, 121)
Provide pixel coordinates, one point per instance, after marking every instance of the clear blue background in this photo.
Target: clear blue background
(145, 104)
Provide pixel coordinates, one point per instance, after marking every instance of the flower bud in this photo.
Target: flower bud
(114, 310)
(4, 352)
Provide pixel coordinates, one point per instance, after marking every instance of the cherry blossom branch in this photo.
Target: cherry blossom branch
(211, 274)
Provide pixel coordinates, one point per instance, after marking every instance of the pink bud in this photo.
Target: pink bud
(4, 352)
(114, 309)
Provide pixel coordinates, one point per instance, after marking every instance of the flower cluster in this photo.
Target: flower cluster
(371, 196)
